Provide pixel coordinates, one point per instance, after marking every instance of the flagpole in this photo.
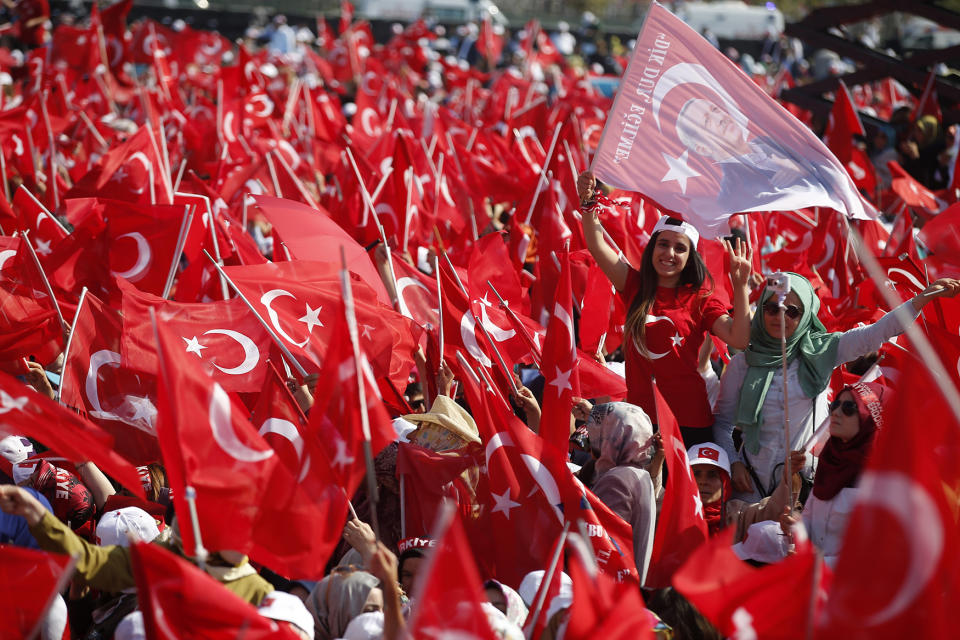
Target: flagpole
(537, 353)
(43, 276)
(53, 150)
(43, 208)
(543, 172)
(408, 181)
(436, 270)
(178, 250)
(276, 339)
(347, 292)
(66, 350)
(216, 251)
(545, 583)
(189, 492)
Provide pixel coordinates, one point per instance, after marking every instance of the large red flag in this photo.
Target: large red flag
(681, 526)
(448, 603)
(898, 573)
(713, 142)
(224, 335)
(179, 600)
(29, 580)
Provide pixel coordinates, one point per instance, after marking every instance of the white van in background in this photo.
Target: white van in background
(444, 11)
(732, 20)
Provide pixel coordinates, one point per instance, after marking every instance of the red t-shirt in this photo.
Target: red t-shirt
(676, 325)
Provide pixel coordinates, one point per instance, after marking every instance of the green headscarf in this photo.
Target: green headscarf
(816, 349)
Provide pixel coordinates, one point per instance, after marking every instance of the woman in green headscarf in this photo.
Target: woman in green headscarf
(751, 389)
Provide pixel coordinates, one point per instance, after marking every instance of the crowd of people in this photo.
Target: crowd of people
(413, 457)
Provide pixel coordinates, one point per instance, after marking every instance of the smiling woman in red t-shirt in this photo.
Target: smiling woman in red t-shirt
(669, 311)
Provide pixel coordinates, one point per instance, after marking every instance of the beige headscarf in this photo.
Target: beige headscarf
(338, 599)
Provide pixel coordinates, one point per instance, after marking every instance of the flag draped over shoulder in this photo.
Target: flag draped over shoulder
(692, 131)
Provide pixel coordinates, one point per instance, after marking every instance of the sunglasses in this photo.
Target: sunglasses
(849, 407)
(793, 311)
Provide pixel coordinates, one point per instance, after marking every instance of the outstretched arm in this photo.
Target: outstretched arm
(607, 259)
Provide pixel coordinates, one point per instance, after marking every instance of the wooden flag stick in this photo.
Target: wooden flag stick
(43, 276)
(359, 366)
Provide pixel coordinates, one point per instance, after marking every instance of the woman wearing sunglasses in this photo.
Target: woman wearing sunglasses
(856, 415)
(751, 388)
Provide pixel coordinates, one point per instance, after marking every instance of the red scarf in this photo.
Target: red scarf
(713, 512)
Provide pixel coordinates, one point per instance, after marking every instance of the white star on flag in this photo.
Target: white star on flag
(503, 503)
(43, 247)
(9, 403)
(677, 340)
(678, 170)
(193, 346)
(342, 459)
(562, 380)
(698, 504)
(143, 409)
(119, 175)
(312, 318)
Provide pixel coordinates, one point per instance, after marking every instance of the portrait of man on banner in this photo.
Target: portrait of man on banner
(689, 129)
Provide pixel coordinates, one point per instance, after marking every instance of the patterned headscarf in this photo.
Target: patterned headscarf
(623, 433)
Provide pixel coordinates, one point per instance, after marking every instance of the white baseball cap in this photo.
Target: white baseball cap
(709, 453)
(286, 607)
(16, 448)
(115, 525)
(764, 542)
(666, 223)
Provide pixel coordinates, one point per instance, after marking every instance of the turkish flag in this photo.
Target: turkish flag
(700, 137)
(530, 493)
(740, 600)
(132, 171)
(228, 339)
(29, 325)
(416, 294)
(843, 124)
(27, 413)
(300, 300)
(29, 581)
(561, 379)
(100, 385)
(941, 235)
(905, 514)
(681, 526)
(336, 416)
(248, 499)
(45, 231)
(179, 600)
(448, 604)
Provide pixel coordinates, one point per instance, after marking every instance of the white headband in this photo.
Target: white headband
(685, 228)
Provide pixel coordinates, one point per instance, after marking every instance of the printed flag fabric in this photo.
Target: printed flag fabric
(692, 131)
